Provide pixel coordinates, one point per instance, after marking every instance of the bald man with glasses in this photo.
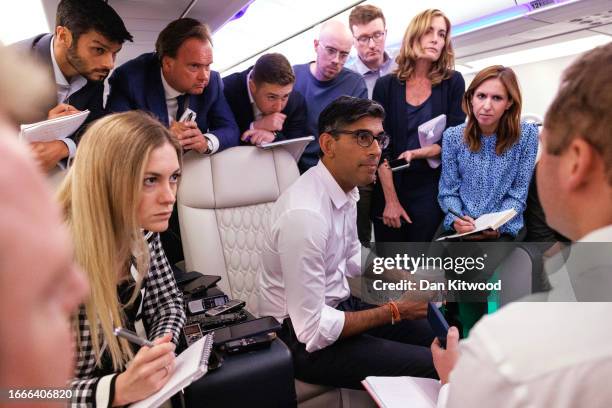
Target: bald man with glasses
(323, 80)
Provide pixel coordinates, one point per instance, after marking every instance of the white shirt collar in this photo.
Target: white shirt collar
(78, 81)
(169, 91)
(362, 68)
(338, 196)
(603, 234)
(256, 112)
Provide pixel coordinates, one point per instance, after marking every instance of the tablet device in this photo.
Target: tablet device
(200, 284)
(438, 323)
(246, 329)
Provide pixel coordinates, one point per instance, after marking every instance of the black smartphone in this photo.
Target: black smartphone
(246, 329)
(398, 164)
(438, 323)
(250, 343)
(201, 283)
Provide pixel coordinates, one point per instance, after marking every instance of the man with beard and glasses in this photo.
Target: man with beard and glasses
(79, 54)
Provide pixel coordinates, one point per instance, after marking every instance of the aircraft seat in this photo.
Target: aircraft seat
(224, 201)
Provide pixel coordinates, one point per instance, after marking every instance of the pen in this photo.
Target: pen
(456, 214)
(133, 337)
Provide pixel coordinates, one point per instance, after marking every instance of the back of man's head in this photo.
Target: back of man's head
(583, 106)
(346, 110)
(273, 69)
(81, 16)
(177, 32)
(363, 14)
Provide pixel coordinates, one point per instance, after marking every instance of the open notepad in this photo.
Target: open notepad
(191, 364)
(53, 129)
(294, 146)
(402, 392)
(485, 222)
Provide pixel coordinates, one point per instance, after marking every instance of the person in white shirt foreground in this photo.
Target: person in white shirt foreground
(311, 247)
(554, 354)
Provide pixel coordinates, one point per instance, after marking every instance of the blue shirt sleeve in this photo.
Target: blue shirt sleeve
(450, 180)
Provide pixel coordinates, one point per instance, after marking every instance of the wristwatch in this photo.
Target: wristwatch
(208, 144)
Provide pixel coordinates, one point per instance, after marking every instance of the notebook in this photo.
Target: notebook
(191, 365)
(402, 392)
(53, 129)
(487, 221)
(294, 146)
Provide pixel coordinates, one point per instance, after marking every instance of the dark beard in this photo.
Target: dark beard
(80, 66)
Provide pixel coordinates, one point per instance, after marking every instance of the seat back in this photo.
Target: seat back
(224, 201)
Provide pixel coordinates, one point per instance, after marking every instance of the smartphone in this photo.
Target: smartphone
(249, 343)
(247, 329)
(398, 164)
(201, 283)
(438, 323)
(231, 306)
(188, 116)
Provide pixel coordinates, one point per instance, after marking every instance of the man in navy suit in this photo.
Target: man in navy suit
(264, 103)
(175, 78)
(79, 54)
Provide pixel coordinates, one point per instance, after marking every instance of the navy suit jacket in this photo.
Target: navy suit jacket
(89, 97)
(237, 95)
(137, 84)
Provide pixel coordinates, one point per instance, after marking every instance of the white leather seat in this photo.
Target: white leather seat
(223, 203)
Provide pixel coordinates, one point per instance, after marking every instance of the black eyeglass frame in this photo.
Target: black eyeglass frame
(382, 138)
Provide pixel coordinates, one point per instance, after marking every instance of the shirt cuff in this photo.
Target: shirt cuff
(331, 323)
(213, 142)
(443, 396)
(71, 147)
(105, 390)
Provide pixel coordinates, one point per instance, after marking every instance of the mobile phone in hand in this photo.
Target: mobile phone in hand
(438, 323)
(398, 164)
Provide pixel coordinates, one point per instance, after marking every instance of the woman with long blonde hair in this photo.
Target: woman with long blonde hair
(117, 197)
(487, 164)
(424, 86)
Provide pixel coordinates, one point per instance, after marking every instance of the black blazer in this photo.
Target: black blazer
(391, 94)
(237, 95)
(89, 97)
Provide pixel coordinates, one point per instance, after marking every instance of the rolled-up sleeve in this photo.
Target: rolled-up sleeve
(302, 239)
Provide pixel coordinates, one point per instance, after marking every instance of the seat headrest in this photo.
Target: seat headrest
(242, 175)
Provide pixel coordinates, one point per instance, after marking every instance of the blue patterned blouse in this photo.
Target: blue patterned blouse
(483, 182)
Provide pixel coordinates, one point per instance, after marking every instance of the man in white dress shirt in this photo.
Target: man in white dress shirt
(554, 354)
(311, 247)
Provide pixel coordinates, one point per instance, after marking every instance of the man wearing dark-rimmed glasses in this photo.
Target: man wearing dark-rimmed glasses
(311, 247)
(368, 26)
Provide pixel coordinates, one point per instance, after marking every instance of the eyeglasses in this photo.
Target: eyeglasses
(377, 37)
(332, 52)
(365, 138)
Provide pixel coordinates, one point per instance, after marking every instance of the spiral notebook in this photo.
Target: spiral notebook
(53, 129)
(191, 365)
